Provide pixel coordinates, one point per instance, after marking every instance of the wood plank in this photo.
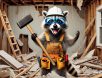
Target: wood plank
(88, 57)
(25, 70)
(89, 33)
(71, 2)
(30, 55)
(89, 45)
(4, 66)
(89, 26)
(83, 60)
(94, 5)
(35, 67)
(10, 60)
(98, 67)
(92, 13)
(97, 76)
(33, 74)
(97, 3)
(87, 37)
(100, 1)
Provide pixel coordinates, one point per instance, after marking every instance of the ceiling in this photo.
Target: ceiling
(34, 2)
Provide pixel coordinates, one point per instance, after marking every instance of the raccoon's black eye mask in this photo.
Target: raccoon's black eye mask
(59, 20)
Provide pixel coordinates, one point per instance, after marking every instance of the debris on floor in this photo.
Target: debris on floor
(87, 67)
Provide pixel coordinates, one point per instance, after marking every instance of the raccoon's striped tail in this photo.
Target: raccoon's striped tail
(71, 70)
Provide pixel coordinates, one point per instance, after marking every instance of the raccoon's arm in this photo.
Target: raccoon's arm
(41, 37)
(69, 41)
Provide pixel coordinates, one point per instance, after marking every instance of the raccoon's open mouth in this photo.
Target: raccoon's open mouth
(55, 31)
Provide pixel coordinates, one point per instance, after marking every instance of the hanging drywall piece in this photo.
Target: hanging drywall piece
(79, 4)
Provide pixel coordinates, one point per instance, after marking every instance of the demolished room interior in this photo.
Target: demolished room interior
(19, 54)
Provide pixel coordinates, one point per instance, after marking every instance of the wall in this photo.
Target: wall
(75, 23)
(90, 14)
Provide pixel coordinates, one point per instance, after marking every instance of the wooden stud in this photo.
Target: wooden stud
(100, 1)
(1, 6)
(89, 45)
(97, 3)
(86, 16)
(92, 15)
(89, 25)
(71, 2)
(89, 15)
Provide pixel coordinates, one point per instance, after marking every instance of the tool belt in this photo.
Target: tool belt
(55, 50)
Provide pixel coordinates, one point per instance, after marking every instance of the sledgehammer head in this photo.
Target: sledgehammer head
(25, 21)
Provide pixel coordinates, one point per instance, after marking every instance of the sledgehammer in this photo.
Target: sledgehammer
(25, 22)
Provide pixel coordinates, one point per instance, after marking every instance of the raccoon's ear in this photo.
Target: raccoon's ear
(44, 13)
(65, 13)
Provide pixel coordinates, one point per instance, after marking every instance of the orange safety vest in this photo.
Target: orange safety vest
(54, 48)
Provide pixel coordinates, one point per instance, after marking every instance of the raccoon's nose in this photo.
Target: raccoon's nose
(55, 26)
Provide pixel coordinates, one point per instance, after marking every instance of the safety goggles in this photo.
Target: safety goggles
(55, 19)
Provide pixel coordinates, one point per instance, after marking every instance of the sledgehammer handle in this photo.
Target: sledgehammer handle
(39, 42)
(30, 29)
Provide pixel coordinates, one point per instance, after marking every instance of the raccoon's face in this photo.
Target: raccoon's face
(55, 24)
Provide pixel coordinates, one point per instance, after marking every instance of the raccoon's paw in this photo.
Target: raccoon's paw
(77, 34)
(33, 36)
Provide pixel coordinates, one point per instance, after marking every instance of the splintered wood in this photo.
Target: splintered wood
(89, 66)
(25, 70)
(16, 69)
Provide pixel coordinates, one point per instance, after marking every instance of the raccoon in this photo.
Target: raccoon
(55, 23)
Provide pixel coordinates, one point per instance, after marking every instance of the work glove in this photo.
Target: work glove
(33, 36)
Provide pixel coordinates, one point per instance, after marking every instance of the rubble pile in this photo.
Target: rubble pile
(28, 67)
(89, 66)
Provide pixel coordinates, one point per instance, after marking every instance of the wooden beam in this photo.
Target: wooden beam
(22, 1)
(100, 1)
(89, 45)
(89, 26)
(94, 8)
(92, 13)
(13, 2)
(71, 2)
(88, 21)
